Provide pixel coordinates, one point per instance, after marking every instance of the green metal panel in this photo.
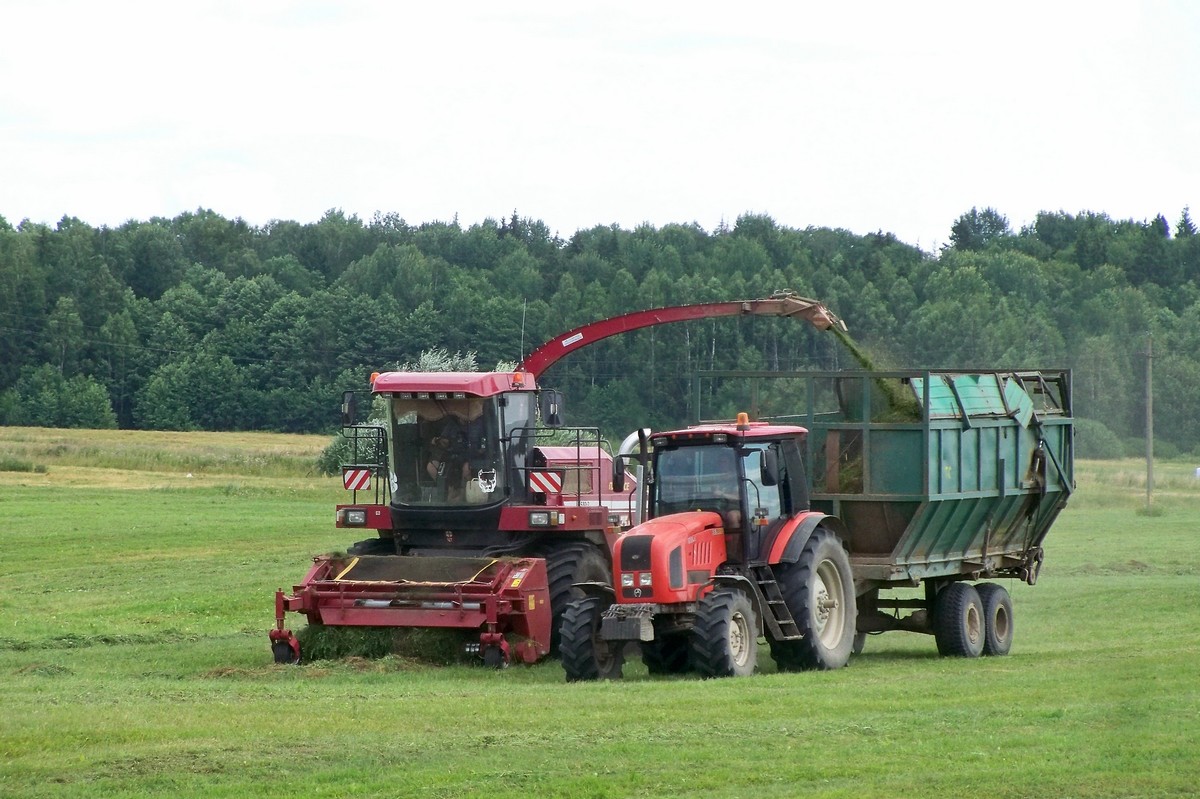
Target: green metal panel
(967, 464)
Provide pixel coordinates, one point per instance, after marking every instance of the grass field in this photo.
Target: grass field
(135, 600)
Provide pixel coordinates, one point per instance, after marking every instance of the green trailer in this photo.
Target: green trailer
(939, 477)
(812, 529)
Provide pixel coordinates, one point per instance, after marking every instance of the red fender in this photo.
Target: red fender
(790, 538)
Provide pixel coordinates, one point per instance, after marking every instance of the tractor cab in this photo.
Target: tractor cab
(750, 474)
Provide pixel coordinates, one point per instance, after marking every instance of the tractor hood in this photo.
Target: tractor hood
(669, 559)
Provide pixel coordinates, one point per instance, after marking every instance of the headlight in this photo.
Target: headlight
(627, 581)
(539, 519)
(354, 517)
(644, 579)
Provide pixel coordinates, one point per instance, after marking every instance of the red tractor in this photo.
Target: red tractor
(731, 549)
(477, 467)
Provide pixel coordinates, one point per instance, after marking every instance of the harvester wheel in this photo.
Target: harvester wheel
(959, 624)
(493, 658)
(373, 546)
(819, 591)
(997, 618)
(568, 563)
(725, 635)
(667, 654)
(585, 655)
(283, 653)
(860, 643)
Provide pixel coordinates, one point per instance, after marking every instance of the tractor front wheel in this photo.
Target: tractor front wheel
(725, 635)
(584, 654)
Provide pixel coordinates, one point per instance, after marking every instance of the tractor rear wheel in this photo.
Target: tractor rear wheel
(819, 591)
(958, 621)
(725, 635)
(997, 618)
(568, 563)
(584, 654)
(667, 654)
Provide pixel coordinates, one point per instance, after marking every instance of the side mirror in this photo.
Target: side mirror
(769, 467)
(618, 475)
(349, 408)
(550, 403)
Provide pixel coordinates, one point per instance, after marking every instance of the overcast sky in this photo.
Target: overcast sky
(893, 116)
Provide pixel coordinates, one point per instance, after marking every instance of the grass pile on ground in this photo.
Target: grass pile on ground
(11, 464)
(432, 646)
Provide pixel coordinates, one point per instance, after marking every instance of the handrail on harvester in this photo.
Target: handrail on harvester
(781, 303)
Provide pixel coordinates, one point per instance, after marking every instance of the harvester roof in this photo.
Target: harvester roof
(476, 384)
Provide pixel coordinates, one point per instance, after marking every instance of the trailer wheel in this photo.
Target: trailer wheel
(584, 654)
(860, 643)
(667, 654)
(725, 635)
(819, 591)
(568, 563)
(997, 618)
(958, 621)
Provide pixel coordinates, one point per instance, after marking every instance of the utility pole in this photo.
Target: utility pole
(1149, 420)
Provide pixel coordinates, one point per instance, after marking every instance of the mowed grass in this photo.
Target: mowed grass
(134, 662)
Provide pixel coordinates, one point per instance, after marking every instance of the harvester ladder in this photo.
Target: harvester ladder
(779, 620)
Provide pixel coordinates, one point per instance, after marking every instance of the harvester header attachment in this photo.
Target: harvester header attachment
(505, 599)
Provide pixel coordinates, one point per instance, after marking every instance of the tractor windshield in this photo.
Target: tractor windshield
(703, 477)
(446, 451)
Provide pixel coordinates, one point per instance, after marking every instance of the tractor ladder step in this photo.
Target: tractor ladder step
(779, 621)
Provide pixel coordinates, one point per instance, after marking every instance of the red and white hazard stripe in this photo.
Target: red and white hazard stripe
(356, 479)
(545, 482)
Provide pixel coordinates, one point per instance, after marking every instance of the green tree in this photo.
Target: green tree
(119, 353)
(1185, 227)
(64, 336)
(976, 229)
(44, 398)
(1177, 400)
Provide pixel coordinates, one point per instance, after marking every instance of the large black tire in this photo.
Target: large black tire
(584, 655)
(725, 635)
(667, 654)
(568, 563)
(958, 621)
(997, 618)
(819, 591)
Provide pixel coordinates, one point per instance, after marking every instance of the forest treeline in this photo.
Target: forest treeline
(202, 322)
